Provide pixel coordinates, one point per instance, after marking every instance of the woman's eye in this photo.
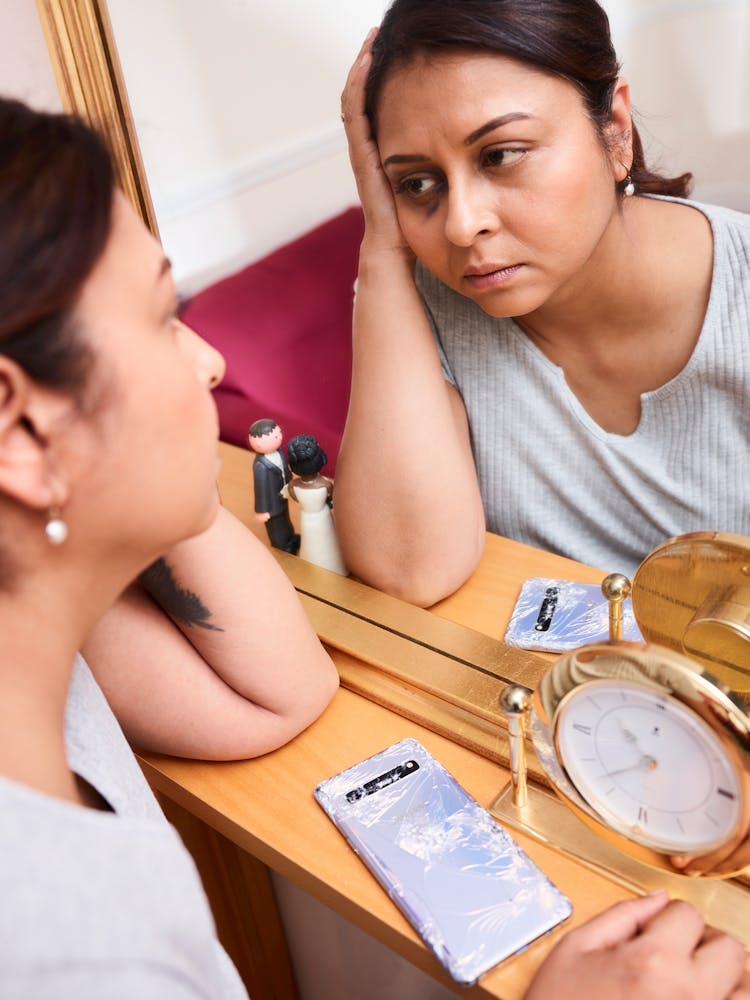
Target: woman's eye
(500, 156)
(417, 187)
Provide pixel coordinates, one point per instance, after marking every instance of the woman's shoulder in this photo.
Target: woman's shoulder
(720, 216)
(731, 236)
(729, 230)
(86, 891)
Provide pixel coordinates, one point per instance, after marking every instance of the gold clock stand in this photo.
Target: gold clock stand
(725, 904)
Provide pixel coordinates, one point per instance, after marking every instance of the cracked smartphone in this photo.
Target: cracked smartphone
(458, 877)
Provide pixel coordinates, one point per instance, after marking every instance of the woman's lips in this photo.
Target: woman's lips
(492, 277)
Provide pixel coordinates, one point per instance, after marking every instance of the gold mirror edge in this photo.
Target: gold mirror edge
(418, 626)
(545, 818)
(489, 740)
(89, 77)
(424, 685)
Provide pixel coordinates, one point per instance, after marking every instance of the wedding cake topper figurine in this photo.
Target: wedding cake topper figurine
(271, 475)
(314, 493)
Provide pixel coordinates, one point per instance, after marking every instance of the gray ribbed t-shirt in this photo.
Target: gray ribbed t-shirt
(102, 905)
(550, 476)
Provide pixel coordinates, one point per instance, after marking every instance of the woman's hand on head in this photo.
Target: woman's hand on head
(647, 948)
(382, 230)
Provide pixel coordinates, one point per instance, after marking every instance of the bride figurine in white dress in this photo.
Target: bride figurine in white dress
(313, 492)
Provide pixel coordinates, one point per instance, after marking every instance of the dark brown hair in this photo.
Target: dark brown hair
(56, 191)
(305, 455)
(262, 427)
(568, 38)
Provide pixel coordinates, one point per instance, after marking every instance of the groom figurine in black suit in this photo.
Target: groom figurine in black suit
(271, 474)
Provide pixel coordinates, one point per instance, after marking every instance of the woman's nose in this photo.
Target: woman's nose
(471, 213)
(209, 362)
(216, 365)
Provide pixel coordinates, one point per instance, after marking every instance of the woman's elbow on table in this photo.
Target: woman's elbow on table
(419, 581)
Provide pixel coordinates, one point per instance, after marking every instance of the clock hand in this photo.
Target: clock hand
(630, 738)
(646, 763)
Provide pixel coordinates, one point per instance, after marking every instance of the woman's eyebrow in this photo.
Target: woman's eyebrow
(405, 158)
(490, 126)
(512, 116)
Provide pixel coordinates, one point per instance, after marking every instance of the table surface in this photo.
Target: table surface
(266, 805)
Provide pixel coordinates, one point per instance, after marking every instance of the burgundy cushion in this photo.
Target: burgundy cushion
(283, 325)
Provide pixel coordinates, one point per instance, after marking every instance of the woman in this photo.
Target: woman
(108, 462)
(568, 358)
(314, 492)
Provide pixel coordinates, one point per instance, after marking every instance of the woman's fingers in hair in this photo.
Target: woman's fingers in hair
(353, 95)
(382, 229)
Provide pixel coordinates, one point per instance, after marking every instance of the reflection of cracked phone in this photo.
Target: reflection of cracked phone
(557, 615)
(458, 877)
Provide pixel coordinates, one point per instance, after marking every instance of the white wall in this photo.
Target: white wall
(25, 70)
(237, 110)
(689, 66)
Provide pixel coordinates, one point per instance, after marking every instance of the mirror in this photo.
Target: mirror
(442, 674)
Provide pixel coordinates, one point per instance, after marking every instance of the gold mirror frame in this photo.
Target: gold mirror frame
(89, 77)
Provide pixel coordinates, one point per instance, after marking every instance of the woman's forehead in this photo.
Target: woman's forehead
(467, 89)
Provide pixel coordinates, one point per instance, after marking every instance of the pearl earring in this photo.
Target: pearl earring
(629, 189)
(56, 529)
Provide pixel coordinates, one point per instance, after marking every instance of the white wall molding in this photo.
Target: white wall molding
(244, 175)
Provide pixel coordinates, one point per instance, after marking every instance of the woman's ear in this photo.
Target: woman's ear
(28, 416)
(620, 130)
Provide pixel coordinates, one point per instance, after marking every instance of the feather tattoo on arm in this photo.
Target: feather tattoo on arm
(181, 604)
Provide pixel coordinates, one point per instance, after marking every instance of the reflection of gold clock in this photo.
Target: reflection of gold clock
(645, 742)
(692, 594)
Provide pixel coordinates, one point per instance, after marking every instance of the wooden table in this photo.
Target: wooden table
(239, 817)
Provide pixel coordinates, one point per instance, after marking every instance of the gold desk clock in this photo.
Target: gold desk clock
(648, 744)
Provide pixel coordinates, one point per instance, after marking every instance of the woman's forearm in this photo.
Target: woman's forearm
(235, 670)
(408, 510)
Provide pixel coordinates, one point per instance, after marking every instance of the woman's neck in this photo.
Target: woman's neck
(654, 307)
(42, 633)
(652, 264)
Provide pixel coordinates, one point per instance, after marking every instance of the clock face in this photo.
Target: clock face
(648, 765)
